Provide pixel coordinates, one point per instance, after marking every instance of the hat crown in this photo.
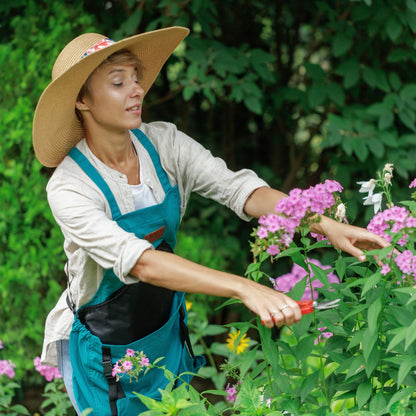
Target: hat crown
(73, 52)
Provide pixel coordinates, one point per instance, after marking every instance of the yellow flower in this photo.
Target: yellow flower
(188, 305)
(242, 343)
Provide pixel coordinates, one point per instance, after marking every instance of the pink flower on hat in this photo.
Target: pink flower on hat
(99, 45)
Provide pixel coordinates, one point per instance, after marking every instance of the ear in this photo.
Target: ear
(81, 105)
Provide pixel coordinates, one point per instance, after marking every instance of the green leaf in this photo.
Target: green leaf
(310, 382)
(214, 329)
(408, 92)
(336, 93)
(317, 95)
(402, 394)
(253, 104)
(395, 81)
(360, 149)
(378, 403)
(411, 5)
(411, 335)
(393, 28)
(271, 353)
(364, 391)
(376, 147)
(249, 397)
(408, 118)
(341, 44)
(371, 282)
(399, 337)
(373, 315)
(249, 359)
(408, 363)
(369, 343)
(340, 267)
(355, 366)
(350, 70)
(315, 71)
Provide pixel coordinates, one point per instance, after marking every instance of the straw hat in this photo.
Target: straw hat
(56, 129)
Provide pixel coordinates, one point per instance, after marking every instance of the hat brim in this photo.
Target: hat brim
(56, 129)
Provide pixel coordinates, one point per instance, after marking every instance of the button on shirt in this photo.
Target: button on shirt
(94, 242)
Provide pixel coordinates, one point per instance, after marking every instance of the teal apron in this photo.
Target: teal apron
(139, 316)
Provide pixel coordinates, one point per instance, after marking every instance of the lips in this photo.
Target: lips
(134, 108)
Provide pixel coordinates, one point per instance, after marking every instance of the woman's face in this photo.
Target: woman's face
(114, 101)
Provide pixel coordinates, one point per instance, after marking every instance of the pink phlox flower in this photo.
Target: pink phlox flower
(320, 237)
(262, 232)
(1, 345)
(413, 184)
(7, 368)
(273, 250)
(323, 335)
(130, 352)
(46, 371)
(116, 369)
(145, 362)
(127, 365)
(287, 282)
(231, 393)
(333, 186)
(385, 269)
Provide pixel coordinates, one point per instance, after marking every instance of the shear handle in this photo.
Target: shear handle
(306, 306)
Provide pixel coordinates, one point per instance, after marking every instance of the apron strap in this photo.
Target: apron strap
(148, 145)
(115, 391)
(185, 332)
(93, 173)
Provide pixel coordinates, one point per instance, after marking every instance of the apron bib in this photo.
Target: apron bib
(139, 316)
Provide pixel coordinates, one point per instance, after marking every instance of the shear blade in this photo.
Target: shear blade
(327, 304)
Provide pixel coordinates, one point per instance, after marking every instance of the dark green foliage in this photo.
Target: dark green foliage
(297, 90)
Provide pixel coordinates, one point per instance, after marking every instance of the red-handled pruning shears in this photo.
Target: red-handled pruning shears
(307, 306)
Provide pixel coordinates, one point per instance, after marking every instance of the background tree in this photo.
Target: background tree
(298, 91)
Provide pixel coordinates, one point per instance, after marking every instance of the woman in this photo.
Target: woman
(118, 193)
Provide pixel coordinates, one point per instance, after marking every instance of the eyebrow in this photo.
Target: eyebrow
(116, 70)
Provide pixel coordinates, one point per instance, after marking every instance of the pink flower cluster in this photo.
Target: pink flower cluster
(323, 335)
(287, 282)
(290, 211)
(48, 372)
(7, 368)
(231, 393)
(413, 184)
(131, 364)
(392, 221)
(406, 262)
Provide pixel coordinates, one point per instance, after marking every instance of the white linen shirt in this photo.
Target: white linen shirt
(94, 242)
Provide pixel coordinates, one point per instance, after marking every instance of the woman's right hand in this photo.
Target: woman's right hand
(273, 307)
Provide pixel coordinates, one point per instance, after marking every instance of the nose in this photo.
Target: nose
(137, 90)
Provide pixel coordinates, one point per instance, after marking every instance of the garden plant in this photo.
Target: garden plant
(355, 359)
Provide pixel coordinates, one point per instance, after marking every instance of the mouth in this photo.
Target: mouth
(134, 108)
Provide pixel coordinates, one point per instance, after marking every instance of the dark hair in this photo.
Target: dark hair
(122, 57)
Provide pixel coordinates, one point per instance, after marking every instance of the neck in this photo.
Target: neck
(117, 152)
(112, 148)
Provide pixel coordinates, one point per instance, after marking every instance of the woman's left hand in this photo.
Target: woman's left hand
(349, 238)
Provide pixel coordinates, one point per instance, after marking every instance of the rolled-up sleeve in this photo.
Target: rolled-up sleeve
(197, 170)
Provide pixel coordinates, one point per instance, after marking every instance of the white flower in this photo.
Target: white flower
(375, 200)
(387, 177)
(367, 186)
(388, 167)
(340, 214)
